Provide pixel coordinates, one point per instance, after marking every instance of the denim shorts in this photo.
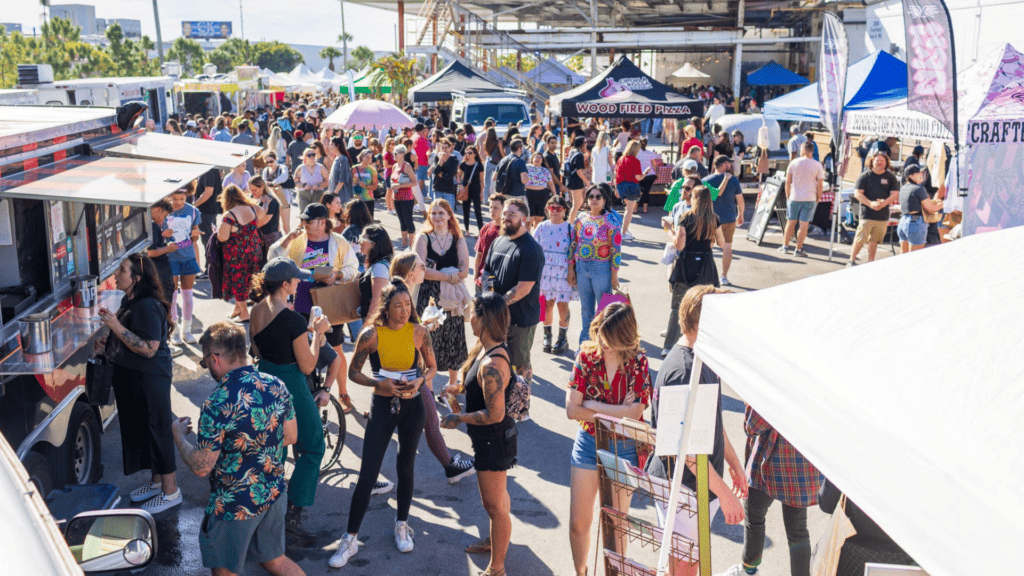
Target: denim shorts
(913, 229)
(423, 172)
(628, 190)
(184, 267)
(801, 211)
(584, 451)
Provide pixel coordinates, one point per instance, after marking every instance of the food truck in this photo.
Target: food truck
(75, 187)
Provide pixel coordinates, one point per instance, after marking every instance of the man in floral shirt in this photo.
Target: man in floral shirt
(244, 427)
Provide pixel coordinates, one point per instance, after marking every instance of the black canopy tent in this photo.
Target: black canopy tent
(455, 77)
(624, 91)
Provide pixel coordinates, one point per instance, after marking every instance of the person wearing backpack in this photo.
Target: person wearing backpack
(488, 379)
(511, 176)
(574, 175)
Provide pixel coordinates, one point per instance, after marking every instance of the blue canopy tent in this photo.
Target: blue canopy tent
(876, 81)
(773, 74)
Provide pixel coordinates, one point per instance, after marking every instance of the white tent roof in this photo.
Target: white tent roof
(688, 72)
(903, 382)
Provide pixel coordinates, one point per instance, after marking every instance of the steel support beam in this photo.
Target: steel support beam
(737, 60)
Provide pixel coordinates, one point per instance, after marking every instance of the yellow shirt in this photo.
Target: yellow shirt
(396, 348)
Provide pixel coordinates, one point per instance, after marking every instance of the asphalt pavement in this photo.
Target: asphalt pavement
(446, 517)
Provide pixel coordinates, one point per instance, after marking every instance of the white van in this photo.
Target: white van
(504, 109)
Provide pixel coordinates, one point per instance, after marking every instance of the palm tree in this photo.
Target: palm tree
(329, 53)
(362, 56)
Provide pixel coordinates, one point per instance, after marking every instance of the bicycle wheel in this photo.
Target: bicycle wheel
(333, 419)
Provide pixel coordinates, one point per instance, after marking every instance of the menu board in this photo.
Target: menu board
(62, 245)
(771, 202)
(114, 232)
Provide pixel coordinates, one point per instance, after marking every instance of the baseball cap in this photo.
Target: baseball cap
(913, 169)
(191, 124)
(314, 212)
(300, 113)
(721, 159)
(689, 164)
(299, 134)
(283, 269)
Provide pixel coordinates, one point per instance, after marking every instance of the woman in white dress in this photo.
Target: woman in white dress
(601, 159)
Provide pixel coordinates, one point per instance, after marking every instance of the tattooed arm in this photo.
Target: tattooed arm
(200, 462)
(518, 292)
(144, 348)
(425, 346)
(366, 344)
(493, 375)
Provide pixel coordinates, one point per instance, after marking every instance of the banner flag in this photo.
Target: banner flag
(835, 52)
(931, 70)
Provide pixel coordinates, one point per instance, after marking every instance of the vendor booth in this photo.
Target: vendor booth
(876, 81)
(454, 77)
(624, 91)
(917, 423)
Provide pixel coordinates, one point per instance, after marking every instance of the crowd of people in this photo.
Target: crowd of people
(554, 238)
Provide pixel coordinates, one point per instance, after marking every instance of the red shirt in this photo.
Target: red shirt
(690, 143)
(422, 148)
(488, 234)
(590, 378)
(628, 169)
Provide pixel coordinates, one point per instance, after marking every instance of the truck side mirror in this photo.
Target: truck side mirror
(112, 540)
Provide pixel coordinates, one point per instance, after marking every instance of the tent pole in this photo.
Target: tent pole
(837, 199)
(561, 146)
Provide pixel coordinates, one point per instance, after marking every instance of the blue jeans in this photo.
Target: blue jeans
(354, 328)
(488, 183)
(593, 280)
(445, 196)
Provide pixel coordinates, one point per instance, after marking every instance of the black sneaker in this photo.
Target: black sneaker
(382, 487)
(459, 469)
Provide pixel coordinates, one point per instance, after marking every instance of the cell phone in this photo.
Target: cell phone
(430, 263)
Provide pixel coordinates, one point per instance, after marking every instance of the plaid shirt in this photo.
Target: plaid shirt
(777, 468)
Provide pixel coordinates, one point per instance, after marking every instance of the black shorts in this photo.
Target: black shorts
(495, 446)
(537, 200)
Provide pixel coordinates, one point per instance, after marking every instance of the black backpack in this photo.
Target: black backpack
(502, 183)
(567, 170)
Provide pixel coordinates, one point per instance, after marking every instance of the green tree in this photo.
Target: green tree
(509, 61)
(329, 53)
(129, 58)
(277, 56)
(576, 63)
(361, 57)
(234, 52)
(189, 54)
(346, 37)
(399, 71)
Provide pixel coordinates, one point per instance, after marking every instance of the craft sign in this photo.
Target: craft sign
(996, 132)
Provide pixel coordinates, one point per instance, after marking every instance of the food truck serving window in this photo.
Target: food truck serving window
(166, 147)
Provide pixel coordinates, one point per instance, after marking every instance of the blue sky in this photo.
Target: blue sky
(316, 22)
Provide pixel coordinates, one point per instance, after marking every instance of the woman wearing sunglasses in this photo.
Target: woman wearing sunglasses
(311, 178)
(555, 236)
(596, 252)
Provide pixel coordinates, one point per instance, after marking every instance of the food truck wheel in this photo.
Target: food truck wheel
(78, 460)
(38, 472)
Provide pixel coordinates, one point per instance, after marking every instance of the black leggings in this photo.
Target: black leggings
(404, 210)
(409, 420)
(795, 521)
(645, 188)
(476, 206)
(369, 206)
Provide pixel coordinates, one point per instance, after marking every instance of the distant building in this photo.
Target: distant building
(130, 28)
(11, 27)
(81, 15)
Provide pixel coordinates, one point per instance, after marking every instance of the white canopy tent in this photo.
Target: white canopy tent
(903, 382)
(689, 72)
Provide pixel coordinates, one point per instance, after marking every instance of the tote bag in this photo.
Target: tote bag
(826, 553)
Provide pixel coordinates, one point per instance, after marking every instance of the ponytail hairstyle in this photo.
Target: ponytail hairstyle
(703, 212)
(492, 310)
(395, 287)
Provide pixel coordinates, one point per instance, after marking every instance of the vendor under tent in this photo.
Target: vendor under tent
(773, 74)
(911, 408)
(369, 114)
(454, 77)
(876, 81)
(624, 91)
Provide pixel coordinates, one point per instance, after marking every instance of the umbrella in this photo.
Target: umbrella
(688, 72)
(369, 114)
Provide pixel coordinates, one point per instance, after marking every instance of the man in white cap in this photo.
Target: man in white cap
(191, 129)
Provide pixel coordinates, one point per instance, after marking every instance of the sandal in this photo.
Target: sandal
(491, 572)
(481, 547)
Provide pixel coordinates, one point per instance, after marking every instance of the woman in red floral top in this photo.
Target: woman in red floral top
(613, 349)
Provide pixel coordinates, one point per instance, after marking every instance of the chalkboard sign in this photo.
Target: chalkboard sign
(771, 202)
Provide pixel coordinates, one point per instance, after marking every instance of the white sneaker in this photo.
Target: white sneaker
(664, 352)
(403, 537)
(783, 249)
(176, 338)
(737, 570)
(189, 337)
(627, 235)
(382, 487)
(162, 502)
(346, 550)
(724, 281)
(663, 333)
(145, 492)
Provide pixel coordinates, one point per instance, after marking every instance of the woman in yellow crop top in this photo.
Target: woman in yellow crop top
(393, 340)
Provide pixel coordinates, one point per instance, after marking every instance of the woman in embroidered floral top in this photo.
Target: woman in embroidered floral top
(596, 254)
(613, 349)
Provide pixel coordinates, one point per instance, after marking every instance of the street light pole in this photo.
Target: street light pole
(344, 37)
(241, 18)
(159, 37)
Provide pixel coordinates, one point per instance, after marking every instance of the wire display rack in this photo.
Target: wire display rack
(615, 440)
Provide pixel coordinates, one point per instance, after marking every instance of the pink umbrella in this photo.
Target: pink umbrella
(369, 114)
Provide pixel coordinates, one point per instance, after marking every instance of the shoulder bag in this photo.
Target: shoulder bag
(340, 302)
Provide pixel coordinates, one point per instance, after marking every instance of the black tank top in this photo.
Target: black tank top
(450, 259)
(474, 392)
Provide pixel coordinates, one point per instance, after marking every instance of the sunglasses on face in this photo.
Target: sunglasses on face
(688, 188)
(310, 155)
(595, 197)
(555, 208)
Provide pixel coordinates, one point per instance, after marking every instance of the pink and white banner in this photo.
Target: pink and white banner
(931, 71)
(832, 83)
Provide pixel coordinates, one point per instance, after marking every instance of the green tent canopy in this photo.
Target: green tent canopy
(364, 85)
